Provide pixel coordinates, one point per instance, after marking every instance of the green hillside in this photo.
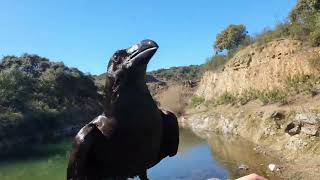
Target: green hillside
(38, 97)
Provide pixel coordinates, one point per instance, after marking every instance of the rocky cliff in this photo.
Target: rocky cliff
(259, 67)
(291, 130)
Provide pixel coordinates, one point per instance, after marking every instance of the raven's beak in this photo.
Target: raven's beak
(141, 53)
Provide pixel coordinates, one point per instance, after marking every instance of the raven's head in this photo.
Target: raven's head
(131, 62)
(127, 70)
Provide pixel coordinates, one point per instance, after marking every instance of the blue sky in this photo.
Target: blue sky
(84, 33)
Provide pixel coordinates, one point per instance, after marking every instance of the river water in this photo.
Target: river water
(214, 157)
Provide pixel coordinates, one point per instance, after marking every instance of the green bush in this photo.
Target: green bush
(196, 101)
(303, 84)
(16, 88)
(230, 38)
(248, 95)
(192, 72)
(226, 98)
(10, 118)
(304, 11)
(315, 38)
(265, 96)
(37, 95)
(282, 30)
(299, 31)
(216, 63)
(272, 96)
(314, 62)
(302, 24)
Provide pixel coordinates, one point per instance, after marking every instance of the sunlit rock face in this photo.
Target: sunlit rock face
(258, 67)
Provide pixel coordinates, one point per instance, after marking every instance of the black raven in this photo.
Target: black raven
(133, 134)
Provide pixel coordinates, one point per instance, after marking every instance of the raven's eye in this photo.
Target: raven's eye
(116, 59)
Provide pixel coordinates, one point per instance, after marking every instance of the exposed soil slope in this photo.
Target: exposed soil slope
(259, 67)
(290, 130)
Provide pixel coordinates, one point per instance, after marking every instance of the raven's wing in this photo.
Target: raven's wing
(170, 135)
(81, 165)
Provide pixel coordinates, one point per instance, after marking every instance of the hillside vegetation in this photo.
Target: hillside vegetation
(302, 23)
(268, 65)
(173, 74)
(38, 97)
(178, 74)
(159, 80)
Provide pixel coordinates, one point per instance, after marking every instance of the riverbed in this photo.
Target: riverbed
(215, 156)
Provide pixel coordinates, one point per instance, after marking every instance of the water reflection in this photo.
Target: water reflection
(198, 158)
(231, 152)
(212, 156)
(193, 161)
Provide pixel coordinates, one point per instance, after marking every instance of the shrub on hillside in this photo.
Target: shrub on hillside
(315, 38)
(248, 95)
(16, 88)
(192, 72)
(265, 96)
(230, 38)
(215, 63)
(302, 83)
(37, 95)
(304, 12)
(272, 96)
(303, 24)
(226, 98)
(282, 30)
(196, 101)
(314, 62)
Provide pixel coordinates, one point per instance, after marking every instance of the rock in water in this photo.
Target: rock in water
(274, 167)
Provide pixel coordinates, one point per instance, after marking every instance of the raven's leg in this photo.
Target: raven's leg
(143, 176)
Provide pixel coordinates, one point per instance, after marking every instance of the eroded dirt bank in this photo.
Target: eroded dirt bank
(270, 95)
(290, 132)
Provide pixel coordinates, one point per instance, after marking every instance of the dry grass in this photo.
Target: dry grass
(314, 62)
(227, 98)
(301, 83)
(265, 96)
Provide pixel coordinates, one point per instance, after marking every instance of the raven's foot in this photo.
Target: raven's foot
(143, 176)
